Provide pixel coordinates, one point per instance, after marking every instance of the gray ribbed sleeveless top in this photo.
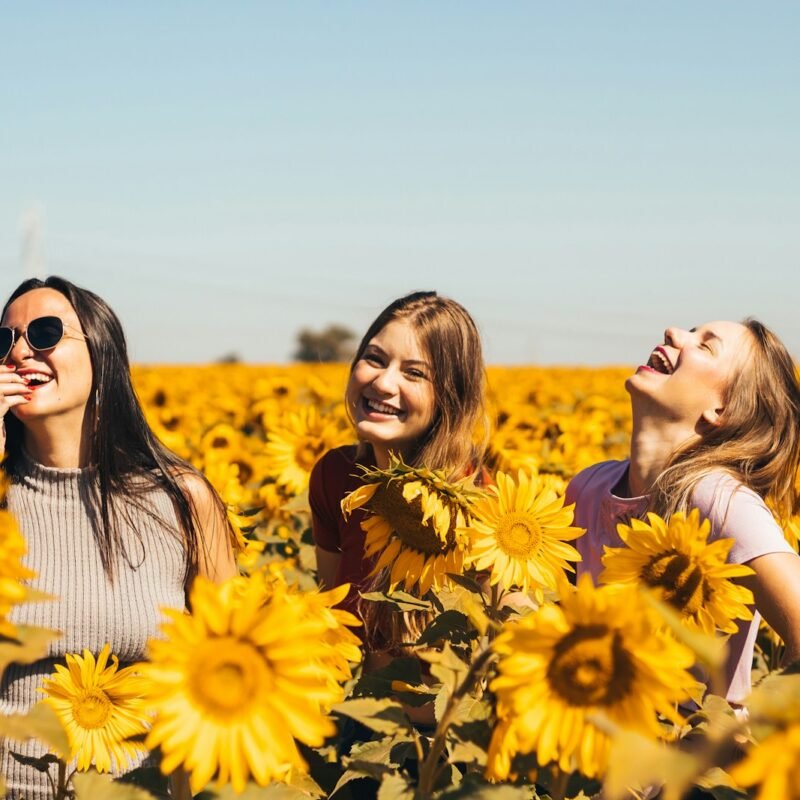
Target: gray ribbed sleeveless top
(58, 522)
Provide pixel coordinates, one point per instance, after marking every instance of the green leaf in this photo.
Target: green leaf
(379, 682)
(30, 645)
(41, 723)
(637, 761)
(361, 773)
(41, 764)
(452, 626)
(473, 787)
(391, 750)
(94, 786)
(383, 716)
(465, 582)
(446, 666)
(395, 787)
(402, 601)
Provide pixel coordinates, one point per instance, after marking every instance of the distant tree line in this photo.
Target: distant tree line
(334, 343)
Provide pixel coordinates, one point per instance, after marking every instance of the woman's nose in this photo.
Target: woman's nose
(20, 349)
(386, 381)
(675, 337)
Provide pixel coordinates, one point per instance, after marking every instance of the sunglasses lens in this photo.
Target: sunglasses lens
(45, 332)
(6, 341)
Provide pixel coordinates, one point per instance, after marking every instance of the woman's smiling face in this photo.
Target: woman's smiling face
(390, 394)
(687, 377)
(60, 378)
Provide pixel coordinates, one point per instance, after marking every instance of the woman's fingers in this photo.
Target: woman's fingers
(14, 390)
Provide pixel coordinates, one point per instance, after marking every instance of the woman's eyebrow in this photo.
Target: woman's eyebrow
(707, 334)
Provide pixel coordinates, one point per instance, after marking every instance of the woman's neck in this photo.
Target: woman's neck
(52, 444)
(653, 443)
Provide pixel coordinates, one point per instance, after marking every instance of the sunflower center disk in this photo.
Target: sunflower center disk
(406, 520)
(680, 579)
(308, 450)
(91, 709)
(519, 535)
(228, 676)
(591, 667)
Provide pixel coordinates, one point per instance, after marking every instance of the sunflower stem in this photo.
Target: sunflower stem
(429, 767)
(559, 787)
(61, 790)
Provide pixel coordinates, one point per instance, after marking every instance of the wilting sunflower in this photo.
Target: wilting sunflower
(237, 680)
(690, 573)
(297, 442)
(601, 652)
(774, 764)
(101, 708)
(415, 518)
(520, 531)
(12, 570)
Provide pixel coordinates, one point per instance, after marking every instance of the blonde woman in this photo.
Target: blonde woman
(716, 426)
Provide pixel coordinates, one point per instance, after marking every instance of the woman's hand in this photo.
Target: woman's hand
(14, 391)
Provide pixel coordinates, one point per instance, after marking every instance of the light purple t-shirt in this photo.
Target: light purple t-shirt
(735, 511)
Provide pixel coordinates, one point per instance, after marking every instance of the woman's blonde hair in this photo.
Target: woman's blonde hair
(456, 440)
(757, 439)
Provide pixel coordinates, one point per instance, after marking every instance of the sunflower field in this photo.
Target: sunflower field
(508, 679)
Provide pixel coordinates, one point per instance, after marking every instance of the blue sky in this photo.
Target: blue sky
(580, 175)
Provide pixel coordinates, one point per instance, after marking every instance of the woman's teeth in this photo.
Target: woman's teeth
(381, 408)
(659, 362)
(37, 378)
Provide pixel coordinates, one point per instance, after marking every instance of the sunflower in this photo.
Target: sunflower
(101, 708)
(12, 570)
(237, 680)
(689, 572)
(774, 765)
(601, 652)
(415, 518)
(297, 442)
(519, 531)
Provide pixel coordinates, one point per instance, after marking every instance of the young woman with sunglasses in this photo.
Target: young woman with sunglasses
(116, 526)
(716, 426)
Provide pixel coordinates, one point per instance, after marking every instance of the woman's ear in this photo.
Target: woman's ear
(711, 417)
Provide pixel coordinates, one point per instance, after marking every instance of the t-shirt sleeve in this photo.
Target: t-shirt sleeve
(325, 510)
(738, 513)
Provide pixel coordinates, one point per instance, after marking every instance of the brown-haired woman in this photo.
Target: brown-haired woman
(116, 525)
(416, 389)
(716, 426)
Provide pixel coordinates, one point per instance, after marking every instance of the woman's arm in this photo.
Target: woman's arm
(215, 558)
(776, 590)
(327, 567)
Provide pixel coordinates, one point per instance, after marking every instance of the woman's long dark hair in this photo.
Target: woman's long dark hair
(129, 458)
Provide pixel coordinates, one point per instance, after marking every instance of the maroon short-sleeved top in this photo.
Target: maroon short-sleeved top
(335, 475)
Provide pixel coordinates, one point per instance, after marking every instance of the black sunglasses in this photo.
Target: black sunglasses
(42, 333)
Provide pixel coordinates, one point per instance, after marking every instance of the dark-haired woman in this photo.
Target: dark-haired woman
(116, 526)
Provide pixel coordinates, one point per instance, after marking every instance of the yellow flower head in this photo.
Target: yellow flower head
(235, 682)
(687, 570)
(297, 442)
(774, 764)
(414, 522)
(519, 531)
(601, 652)
(101, 708)
(12, 570)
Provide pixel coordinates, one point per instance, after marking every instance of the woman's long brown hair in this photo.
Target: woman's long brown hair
(757, 440)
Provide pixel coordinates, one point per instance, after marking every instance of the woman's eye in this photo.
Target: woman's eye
(372, 358)
(417, 374)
